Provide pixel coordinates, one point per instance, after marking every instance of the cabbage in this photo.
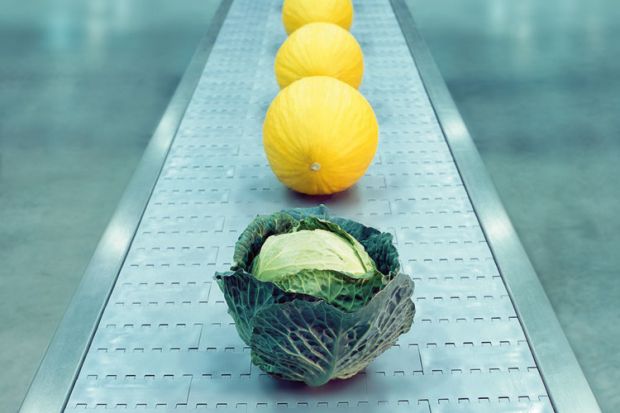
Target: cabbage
(316, 297)
(318, 249)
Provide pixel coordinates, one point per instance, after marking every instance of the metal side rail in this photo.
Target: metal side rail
(148, 330)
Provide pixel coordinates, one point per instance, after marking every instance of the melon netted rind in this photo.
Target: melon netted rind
(320, 135)
(296, 13)
(320, 49)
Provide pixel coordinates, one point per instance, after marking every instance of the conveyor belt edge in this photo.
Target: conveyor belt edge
(54, 379)
(567, 387)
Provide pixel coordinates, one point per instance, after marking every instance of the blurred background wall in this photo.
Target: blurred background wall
(538, 84)
(84, 83)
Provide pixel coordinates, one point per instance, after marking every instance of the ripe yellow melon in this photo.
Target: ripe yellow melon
(320, 49)
(320, 135)
(296, 13)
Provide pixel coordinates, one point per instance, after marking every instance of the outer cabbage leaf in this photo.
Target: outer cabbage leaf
(245, 296)
(320, 211)
(377, 244)
(315, 342)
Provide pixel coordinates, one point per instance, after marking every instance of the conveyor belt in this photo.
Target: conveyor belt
(165, 342)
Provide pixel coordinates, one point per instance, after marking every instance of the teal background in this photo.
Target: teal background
(538, 85)
(84, 83)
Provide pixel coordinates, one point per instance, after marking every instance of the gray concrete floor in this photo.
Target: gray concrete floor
(538, 85)
(83, 84)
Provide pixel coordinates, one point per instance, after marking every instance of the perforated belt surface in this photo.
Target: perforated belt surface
(165, 342)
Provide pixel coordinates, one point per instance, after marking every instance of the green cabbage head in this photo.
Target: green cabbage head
(316, 297)
(319, 249)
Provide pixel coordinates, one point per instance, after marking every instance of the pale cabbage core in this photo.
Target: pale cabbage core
(318, 249)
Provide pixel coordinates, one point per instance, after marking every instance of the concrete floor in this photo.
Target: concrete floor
(83, 84)
(537, 84)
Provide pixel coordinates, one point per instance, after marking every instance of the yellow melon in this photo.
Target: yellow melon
(296, 13)
(320, 135)
(320, 49)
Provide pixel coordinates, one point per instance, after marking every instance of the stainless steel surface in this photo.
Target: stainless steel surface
(562, 374)
(165, 342)
(52, 384)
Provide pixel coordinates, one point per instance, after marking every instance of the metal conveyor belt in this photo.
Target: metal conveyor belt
(165, 342)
